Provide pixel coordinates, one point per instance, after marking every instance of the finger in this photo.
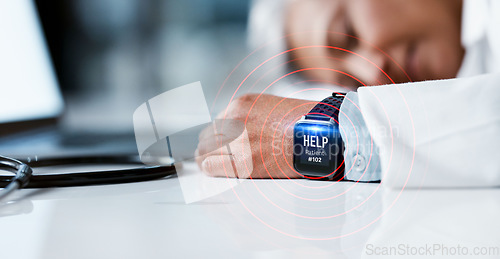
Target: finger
(212, 144)
(229, 128)
(208, 132)
(200, 156)
(238, 151)
(219, 166)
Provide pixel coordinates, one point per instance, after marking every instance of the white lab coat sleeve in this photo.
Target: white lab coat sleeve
(361, 159)
(443, 133)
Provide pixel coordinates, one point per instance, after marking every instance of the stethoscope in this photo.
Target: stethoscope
(24, 177)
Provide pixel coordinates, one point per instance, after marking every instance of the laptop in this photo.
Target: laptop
(31, 102)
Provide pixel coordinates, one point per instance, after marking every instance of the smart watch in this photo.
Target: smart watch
(317, 145)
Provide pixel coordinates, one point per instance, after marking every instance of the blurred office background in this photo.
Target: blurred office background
(112, 55)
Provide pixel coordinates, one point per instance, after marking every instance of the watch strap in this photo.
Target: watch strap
(327, 109)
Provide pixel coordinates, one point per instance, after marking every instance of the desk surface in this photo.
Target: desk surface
(253, 219)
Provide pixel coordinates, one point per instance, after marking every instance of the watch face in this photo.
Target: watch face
(318, 149)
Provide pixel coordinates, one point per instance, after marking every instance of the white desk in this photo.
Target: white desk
(256, 219)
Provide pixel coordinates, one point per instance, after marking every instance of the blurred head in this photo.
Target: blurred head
(419, 37)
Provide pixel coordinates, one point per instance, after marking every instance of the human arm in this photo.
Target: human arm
(266, 144)
(264, 149)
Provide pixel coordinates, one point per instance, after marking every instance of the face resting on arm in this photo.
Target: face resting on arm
(422, 36)
(411, 40)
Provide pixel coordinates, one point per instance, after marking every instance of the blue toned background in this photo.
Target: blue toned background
(112, 55)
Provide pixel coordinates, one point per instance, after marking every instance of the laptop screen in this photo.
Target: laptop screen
(28, 86)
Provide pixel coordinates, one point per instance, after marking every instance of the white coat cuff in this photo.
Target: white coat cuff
(361, 155)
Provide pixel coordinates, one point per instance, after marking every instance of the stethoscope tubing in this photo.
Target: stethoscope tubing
(143, 173)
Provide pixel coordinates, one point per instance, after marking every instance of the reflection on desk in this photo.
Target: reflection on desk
(254, 219)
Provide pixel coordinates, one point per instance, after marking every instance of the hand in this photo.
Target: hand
(253, 138)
